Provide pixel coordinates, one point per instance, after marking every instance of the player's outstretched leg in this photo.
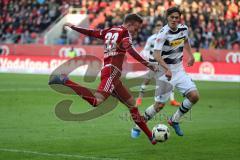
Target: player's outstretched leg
(135, 132)
(176, 127)
(58, 79)
(140, 121)
(192, 98)
(174, 120)
(83, 92)
(150, 112)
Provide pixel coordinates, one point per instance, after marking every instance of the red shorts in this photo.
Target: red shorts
(111, 84)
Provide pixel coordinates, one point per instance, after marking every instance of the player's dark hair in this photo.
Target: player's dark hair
(133, 17)
(173, 10)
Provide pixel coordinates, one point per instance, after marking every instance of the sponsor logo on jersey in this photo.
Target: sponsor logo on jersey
(177, 42)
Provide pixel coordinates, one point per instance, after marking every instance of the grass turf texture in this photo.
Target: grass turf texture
(29, 128)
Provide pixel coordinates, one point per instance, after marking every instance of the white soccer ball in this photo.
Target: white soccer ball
(161, 132)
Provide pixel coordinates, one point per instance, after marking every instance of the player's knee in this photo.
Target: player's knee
(194, 97)
(158, 106)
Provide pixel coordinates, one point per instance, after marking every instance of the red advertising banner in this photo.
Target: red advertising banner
(210, 55)
(216, 71)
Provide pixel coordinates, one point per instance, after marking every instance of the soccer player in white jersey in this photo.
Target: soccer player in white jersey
(147, 54)
(168, 52)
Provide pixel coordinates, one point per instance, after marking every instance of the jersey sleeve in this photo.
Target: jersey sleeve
(100, 34)
(160, 40)
(128, 46)
(126, 40)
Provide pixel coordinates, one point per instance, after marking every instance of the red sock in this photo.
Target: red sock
(139, 120)
(83, 92)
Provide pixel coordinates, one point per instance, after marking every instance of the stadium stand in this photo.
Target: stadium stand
(212, 23)
(21, 21)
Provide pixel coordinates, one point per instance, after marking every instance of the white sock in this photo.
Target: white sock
(176, 116)
(172, 96)
(184, 108)
(150, 112)
(143, 87)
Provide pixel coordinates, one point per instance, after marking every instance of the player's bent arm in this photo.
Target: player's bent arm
(188, 48)
(189, 52)
(157, 56)
(132, 51)
(127, 45)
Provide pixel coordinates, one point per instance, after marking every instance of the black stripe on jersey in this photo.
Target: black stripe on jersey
(180, 49)
(152, 60)
(179, 38)
(166, 43)
(176, 32)
(173, 61)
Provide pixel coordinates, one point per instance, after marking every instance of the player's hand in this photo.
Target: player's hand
(168, 74)
(67, 25)
(154, 68)
(191, 61)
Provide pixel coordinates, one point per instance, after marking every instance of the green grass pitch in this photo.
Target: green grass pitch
(29, 128)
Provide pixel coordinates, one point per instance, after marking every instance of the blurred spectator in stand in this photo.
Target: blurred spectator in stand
(21, 21)
(204, 18)
(233, 37)
(212, 23)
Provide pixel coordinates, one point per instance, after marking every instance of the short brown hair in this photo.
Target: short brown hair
(133, 17)
(173, 10)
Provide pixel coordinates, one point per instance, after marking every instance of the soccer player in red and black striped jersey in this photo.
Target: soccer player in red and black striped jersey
(117, 41)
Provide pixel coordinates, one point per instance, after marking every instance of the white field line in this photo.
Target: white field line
(54, 154)
(23, 89)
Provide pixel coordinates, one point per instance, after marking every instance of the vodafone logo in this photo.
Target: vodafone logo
(206, 68)
(63, 52)
(4, 50)
(233, 57)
